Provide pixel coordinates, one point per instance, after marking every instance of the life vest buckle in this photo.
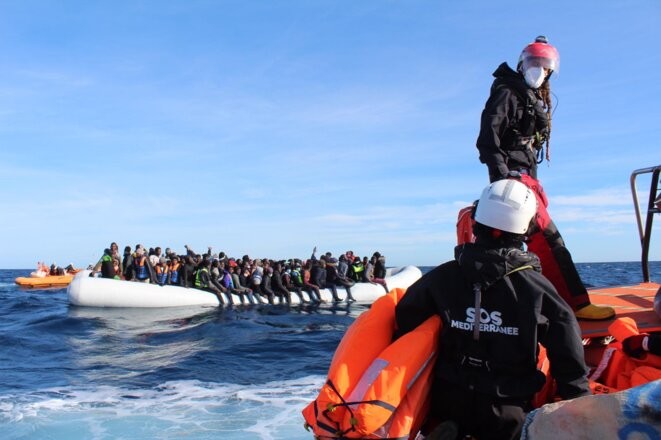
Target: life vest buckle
(474, 362)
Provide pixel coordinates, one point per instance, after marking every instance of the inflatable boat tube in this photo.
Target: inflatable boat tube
(103, 292)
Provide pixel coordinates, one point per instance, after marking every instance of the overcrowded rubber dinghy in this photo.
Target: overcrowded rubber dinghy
(101, 292)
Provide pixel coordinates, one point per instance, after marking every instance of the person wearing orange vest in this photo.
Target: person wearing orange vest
(515, 126)
(175, 266)
(141, 266)
(162, 271)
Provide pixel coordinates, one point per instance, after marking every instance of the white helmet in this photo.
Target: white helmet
(508, 205)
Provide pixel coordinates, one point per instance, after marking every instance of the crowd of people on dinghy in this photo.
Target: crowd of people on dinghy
(248, 280)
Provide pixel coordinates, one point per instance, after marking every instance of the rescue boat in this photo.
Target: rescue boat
(43, 282)
(364, 396)
(626, 400)
(634, 301)
(626, 396)
(101, 292)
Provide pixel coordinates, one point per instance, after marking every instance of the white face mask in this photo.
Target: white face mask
(534, 76)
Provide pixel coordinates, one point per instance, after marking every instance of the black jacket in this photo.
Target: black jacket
(331, 274)
(266, 285)
(318, 276)
(518, 311)
(380, 267)
(512, 116)
(187, 275)
(277, 285)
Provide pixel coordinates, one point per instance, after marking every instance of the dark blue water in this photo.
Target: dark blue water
(68, 372)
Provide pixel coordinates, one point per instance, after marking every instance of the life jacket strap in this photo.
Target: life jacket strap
(474, 362)
(338, 433)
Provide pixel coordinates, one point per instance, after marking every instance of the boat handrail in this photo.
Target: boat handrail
(653, 207)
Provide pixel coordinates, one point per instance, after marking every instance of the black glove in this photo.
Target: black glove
(633, 345)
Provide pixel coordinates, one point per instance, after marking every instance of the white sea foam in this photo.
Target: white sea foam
(181, 409)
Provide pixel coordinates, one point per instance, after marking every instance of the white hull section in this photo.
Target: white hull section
(102, 292)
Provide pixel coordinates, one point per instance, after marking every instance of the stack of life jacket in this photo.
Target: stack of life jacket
(617, 370)
(377, 388)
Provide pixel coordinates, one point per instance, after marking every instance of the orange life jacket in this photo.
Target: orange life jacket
(161, 269)
(375, 388)
(465, 226)
(617, 371)
(140, 267)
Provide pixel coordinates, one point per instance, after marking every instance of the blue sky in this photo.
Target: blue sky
(269, 127)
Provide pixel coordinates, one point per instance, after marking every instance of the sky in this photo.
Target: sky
(269, 127)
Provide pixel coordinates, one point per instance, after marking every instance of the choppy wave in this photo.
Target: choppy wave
(176, 409)
(235, 373)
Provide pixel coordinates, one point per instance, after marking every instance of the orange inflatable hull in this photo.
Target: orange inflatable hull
(47, 281)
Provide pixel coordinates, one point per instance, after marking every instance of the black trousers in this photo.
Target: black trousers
(480, 415)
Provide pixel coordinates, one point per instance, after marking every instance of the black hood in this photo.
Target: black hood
(505, 71)
(504, 74)
(486, 265)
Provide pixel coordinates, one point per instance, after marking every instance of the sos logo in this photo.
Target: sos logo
(485, 316)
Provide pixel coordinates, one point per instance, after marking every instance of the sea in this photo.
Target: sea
(244, 372)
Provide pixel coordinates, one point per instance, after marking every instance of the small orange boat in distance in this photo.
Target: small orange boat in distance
(47, 281)
(41, 278)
